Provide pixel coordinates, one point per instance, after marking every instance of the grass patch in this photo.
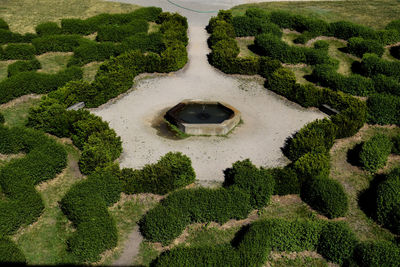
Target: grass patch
(289, 37)
(153, 27)
(16, 113)
(54, 61)
(345, 60)
(147, 253)
(3, 69)
(373, 13)
(204, 235)
(300, 71)
(44, 242)
(24, 15)
(299, 261)
(90, 70)
(244, 43)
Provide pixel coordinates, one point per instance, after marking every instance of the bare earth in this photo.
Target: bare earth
(268, 119)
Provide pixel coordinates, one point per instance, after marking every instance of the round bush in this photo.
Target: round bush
(22, 66)
(48, 28)
(312, 165)
(19, 51)
(325, 195)
(383, 109)
(3, 24)
(336, 242)
(374, 152)
(10, 253)
(286, 181)
(377, 254)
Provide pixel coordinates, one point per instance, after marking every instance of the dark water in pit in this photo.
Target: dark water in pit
(207, 113)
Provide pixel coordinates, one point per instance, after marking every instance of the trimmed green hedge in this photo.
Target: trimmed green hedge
(172, 171)
(388, 202)
(18, 51)
(119, 33)
(375, 152)
(23, 66)
(48, 28)
(383, 109)
(372, 65)
(9, 251)
(3, 25)
(377, 254)
(58, 43)
(312, 165)
(358, 47)
(325, 195)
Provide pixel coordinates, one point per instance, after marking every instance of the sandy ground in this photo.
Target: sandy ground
(267, 118)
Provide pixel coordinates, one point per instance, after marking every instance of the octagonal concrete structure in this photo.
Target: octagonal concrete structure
(218, 128)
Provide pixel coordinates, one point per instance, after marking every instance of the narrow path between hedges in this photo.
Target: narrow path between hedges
(268, 119)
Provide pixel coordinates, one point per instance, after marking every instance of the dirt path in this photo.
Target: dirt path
(131, 249)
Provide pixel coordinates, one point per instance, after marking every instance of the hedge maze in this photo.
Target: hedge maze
(127, 48)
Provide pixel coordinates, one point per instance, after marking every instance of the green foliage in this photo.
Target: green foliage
(76, 26)
(337, 242)
(253, 26)
(388, 202)
(58, 43)
(383, 109)
(396, 145)
(152, 42)
(18, 51)
(22, 66)
(322, 45)
(172, 171)
(325, 195)
(94, 52)
(377, 253)
(32, 82)
(2, 120)
(48, 28)
(74, 92)
(385, 84)
(258, 183)
(346, 30)
(312, 165)
(358, 47)
(118, 33)
(7, 36)
(9, 251)
(167, 220)
(374, 152)
(317, 136)
(286, 181)
(372, 65)
(3, 24)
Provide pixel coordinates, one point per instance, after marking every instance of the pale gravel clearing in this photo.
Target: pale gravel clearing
(268, 119)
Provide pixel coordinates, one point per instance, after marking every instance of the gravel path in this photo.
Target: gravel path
(268, 119)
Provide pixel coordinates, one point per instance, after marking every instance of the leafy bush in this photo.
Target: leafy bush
(22, 66)
(286, 181)
(358, 47)
(253, 26)
(172, 171)
(322, 45)
(325, 195)
(385, 84)
(19, 51)
(317, 136)
(3, 24)
(152, 42)
(383, 109)
(388, 201)
(7, 36)
(312, 165)
(9, 251)
(346, 30)
(396, 145)
(58, 43)
(119, 33)
(94, 52)
(167, 220)
(377, 253)
(32, 82)
(374, 152)
(337, 242)
(258, 183)
(2, 119)
(372, 65)
(76, 26)
(48, 28)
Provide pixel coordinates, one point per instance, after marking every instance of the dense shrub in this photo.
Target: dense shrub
(325, 195)
(312, 165)
(396, 145)
(388, 202)
(58, 43)
(48, 28)
(172, 171)
(22, 66)
(358, 47)
(76, 26)
(377, 253)
(286, 181)
(253, 26)
(383, 109)
(385, 84)
(346, 30)
(18, 51)
(152, 42)
(317, 136)
(2, 119)
(372, 65)
(32, 82)
(94, 52)
(7, 36)
(336, 242)
(74, 92)
(167, 220)
(322, 45)
(258, 183)
(147, 13)
(9, 251)
(119, 33)
(3, 25)
(374, 152)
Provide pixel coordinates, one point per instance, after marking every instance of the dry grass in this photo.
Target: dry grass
(54, 61)
(24, 15)
(244, 43)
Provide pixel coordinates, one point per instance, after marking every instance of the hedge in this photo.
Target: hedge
(166, 221)
(375, 152)
(3, 24)
(337, 242)
(23, 66)
(119, 33)
(372, 65)
(23, 204)
(38, 83)
(396, 145)
(383, 109)
(325, 195)
(152, 42)
(258, 183)
(286, 181)
(385, 84)
(18, 51)
(58, 43)
(9, 251)
(2, 119)
(377, 253)
(358, 47)
(90, 52)
(253, 26)
(172, 171)
(388, 201)
(7, 36)
(48, 28)
(312, 165)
